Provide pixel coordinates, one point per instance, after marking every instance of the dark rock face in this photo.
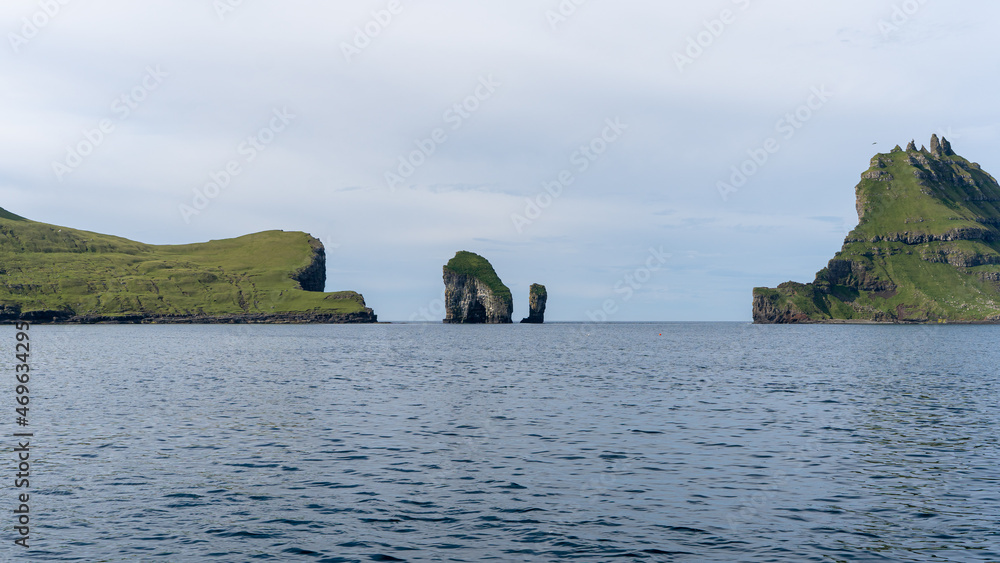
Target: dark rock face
(767, 311)
(13, 313)
(853, 274)
(10, 312)
(946, 148)
(313, 276)
(941, 148)
(470, 301)
(366, 316)
(922, 238)
(536, 304)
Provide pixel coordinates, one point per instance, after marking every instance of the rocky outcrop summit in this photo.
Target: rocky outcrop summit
(473, 293)
(537, 297)
(926, 249)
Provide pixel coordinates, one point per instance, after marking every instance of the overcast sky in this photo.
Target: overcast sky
(572, 143)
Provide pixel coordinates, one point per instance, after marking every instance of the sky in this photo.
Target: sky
(645, 161)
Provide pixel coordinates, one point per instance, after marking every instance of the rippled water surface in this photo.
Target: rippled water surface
(652, 442)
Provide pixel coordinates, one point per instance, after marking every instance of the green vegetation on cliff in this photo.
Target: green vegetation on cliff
(47, 272)
(926, 249)
(474, 265)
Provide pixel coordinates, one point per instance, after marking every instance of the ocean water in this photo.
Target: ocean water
(427, 442)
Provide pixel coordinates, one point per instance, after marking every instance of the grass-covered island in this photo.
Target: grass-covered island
(927, 248)
(474, 293)
(57, 274)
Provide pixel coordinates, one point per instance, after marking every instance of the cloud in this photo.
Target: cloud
(556, 89)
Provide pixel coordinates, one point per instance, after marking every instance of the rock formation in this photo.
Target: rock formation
(536, 304)
(926, 249)
(473, 293)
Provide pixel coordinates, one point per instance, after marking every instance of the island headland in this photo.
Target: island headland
(926, 249)
(58, 274)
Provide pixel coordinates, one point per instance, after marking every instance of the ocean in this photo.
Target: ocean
(428, 442)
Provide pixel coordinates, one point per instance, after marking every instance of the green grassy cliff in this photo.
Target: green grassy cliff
(474, 265)
(926, 249)
(52, 273)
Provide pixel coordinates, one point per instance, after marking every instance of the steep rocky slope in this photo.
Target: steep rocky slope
(926, 249)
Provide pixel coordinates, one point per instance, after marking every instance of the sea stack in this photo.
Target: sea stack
(926, 249)
(536, 304)
(473, 292)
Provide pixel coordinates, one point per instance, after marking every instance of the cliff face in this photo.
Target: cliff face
(58, 274)
(537, 297)
(473, 292)
(313, 276)
(926, 249)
